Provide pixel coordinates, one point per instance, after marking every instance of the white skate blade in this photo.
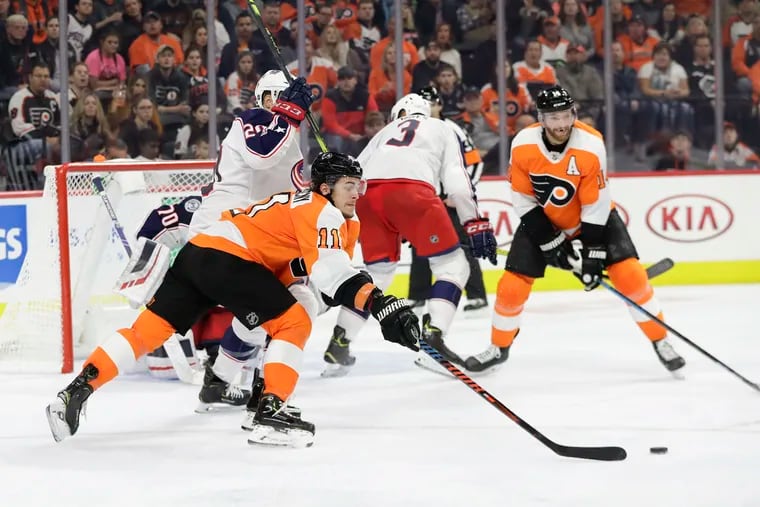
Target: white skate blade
(210, 408)
(335, 370)
(269, 436)
(56, 420)
(428, 363)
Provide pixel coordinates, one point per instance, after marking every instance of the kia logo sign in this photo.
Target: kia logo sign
(689, 218)
(502, 216)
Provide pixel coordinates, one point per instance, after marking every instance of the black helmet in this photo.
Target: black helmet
(330, 166)
(554, 99)
(430, 93)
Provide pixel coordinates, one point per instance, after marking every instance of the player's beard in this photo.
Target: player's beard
(559, 135)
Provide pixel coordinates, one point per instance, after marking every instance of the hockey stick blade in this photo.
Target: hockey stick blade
(670, 328)
(593, 453)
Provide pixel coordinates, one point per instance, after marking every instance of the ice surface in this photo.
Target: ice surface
(393, 435)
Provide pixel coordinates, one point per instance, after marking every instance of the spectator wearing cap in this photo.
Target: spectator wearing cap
(574, 27)
(169, 89)
(517, 100)
(701, 74)
(425, 71)
(533, 72)
(665, 83)
(744, 55)
(448, 54)
(553, 47)
(382, 80)
(344, 111)
(583, 81)
(637, 43)
(736, 154)
(739, 24)
(669, 27)
(144, 49)
(80, 29)
(319, 73)
(270, 16)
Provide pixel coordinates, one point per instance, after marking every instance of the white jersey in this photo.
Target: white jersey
(259, 157)
(423, 149)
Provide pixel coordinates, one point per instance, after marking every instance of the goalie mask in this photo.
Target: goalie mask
(410, 104)
(556, 112)
(274, 82)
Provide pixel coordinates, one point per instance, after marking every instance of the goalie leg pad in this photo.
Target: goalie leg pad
(144, 272)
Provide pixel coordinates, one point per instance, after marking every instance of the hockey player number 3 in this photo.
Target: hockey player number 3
(408, 127)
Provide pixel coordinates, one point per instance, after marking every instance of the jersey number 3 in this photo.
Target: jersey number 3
(408, 127)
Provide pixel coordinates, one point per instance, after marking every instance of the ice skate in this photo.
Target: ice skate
(434, 337)
(475, 304)
(669, 357)
(487, 361)
(216, 393)
(338, 356)
(253, 402)
(64, 413)
(273, 425)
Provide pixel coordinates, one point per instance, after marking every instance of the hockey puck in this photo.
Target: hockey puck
(658, 450)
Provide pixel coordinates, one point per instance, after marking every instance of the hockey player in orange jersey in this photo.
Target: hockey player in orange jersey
(245, 262)
(558, 173)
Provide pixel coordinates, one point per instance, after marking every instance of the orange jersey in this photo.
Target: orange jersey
(571, 186)
(516, 104)
(293, 234)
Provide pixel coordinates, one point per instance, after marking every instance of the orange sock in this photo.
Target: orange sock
(284, 355)
(630, 278)
(511, 294)
(120, 350)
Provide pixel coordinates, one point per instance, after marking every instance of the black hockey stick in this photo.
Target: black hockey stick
(631, 302)
(281, 64)
(595, 453)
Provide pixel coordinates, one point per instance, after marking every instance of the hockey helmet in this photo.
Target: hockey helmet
(274, 82)
(554, 99)
(410, 104)
(330, 166)
(430, 93)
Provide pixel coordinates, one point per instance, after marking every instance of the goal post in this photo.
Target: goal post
(62, 303)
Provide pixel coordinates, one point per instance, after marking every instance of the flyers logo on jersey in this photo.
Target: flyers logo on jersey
(550, 189)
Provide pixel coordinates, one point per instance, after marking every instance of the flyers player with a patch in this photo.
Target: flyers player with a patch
(245, 262)
(558, 174)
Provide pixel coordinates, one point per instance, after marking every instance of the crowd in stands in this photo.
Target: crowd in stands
(138, 84)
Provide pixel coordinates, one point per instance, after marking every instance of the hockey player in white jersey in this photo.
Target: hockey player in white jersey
(405, 164)
(259, 156)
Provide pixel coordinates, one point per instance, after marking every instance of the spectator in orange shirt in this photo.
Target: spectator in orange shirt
(637, 44)
(319, 73)
(143, 51)
(378, 50)
(533, 72)
(744, 55)
(688, 7)
(740, 24)
(382, 80)
(620, 16)
(517, 101)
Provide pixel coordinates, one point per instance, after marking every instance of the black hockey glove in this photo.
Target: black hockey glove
(295, 100)
(482, 239)
(397, 320)
(594, 260)
(558, 252)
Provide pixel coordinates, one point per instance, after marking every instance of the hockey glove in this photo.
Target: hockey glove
(482, 239)
(558, 252)
(295, 100)
(397, 320)
(594, 261)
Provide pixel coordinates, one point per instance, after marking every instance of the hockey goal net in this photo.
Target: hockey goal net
(63, 303)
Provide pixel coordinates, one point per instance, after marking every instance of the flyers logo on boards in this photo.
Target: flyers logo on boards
(503, 218)
(689, 218)
(13, 242)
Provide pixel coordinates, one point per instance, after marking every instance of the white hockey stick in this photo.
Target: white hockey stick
(185, 372)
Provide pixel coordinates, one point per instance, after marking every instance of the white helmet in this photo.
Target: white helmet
(273, 82)
(411, 104)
